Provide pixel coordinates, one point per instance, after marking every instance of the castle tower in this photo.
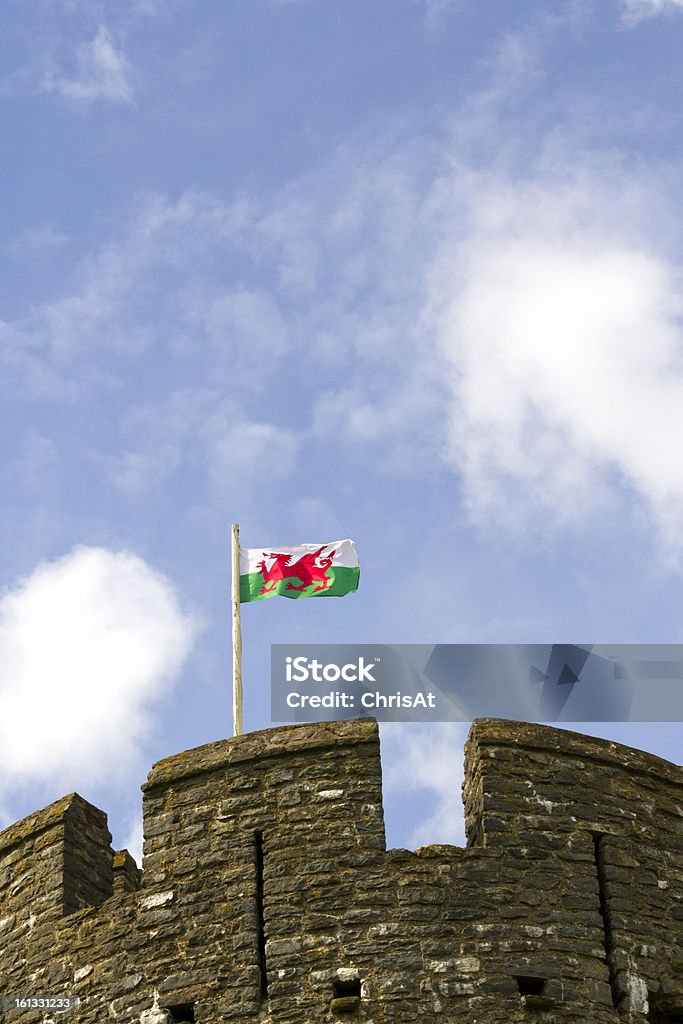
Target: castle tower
(267, 893)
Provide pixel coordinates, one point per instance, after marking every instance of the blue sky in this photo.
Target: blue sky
(407, 271)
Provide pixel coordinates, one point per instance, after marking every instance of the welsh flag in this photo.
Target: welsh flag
(307, 570)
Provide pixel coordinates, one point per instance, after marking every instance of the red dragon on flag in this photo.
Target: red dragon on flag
(310, 569)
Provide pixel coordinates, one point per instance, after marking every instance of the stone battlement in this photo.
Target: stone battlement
(267, 892)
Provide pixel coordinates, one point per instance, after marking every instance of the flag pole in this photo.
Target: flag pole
(236, 635)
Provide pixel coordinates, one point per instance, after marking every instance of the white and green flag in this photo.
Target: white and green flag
(307, 570)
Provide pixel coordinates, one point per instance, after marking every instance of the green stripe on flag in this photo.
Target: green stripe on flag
(344, 580)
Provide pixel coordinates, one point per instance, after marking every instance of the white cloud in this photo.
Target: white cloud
(427, 760)
(636, 10)
(87, 643)
(102, 73)
(563, 332)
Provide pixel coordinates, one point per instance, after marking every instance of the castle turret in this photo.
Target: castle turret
(52, 863)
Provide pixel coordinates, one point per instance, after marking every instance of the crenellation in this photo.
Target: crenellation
(127, 876)
(267, 893)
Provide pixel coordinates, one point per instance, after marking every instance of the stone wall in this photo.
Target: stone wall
(267, 893)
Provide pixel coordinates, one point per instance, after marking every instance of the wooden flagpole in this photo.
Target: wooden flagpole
(236, 635)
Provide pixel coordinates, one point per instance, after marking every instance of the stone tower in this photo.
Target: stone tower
(267, 893)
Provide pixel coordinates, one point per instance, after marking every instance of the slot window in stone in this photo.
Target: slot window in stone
(260, 918)
(529, 986)
(183, 1013)
(345, 996)
(346, 988)
(608, 940)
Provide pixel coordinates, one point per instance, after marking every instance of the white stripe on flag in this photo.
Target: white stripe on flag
(344, 554)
